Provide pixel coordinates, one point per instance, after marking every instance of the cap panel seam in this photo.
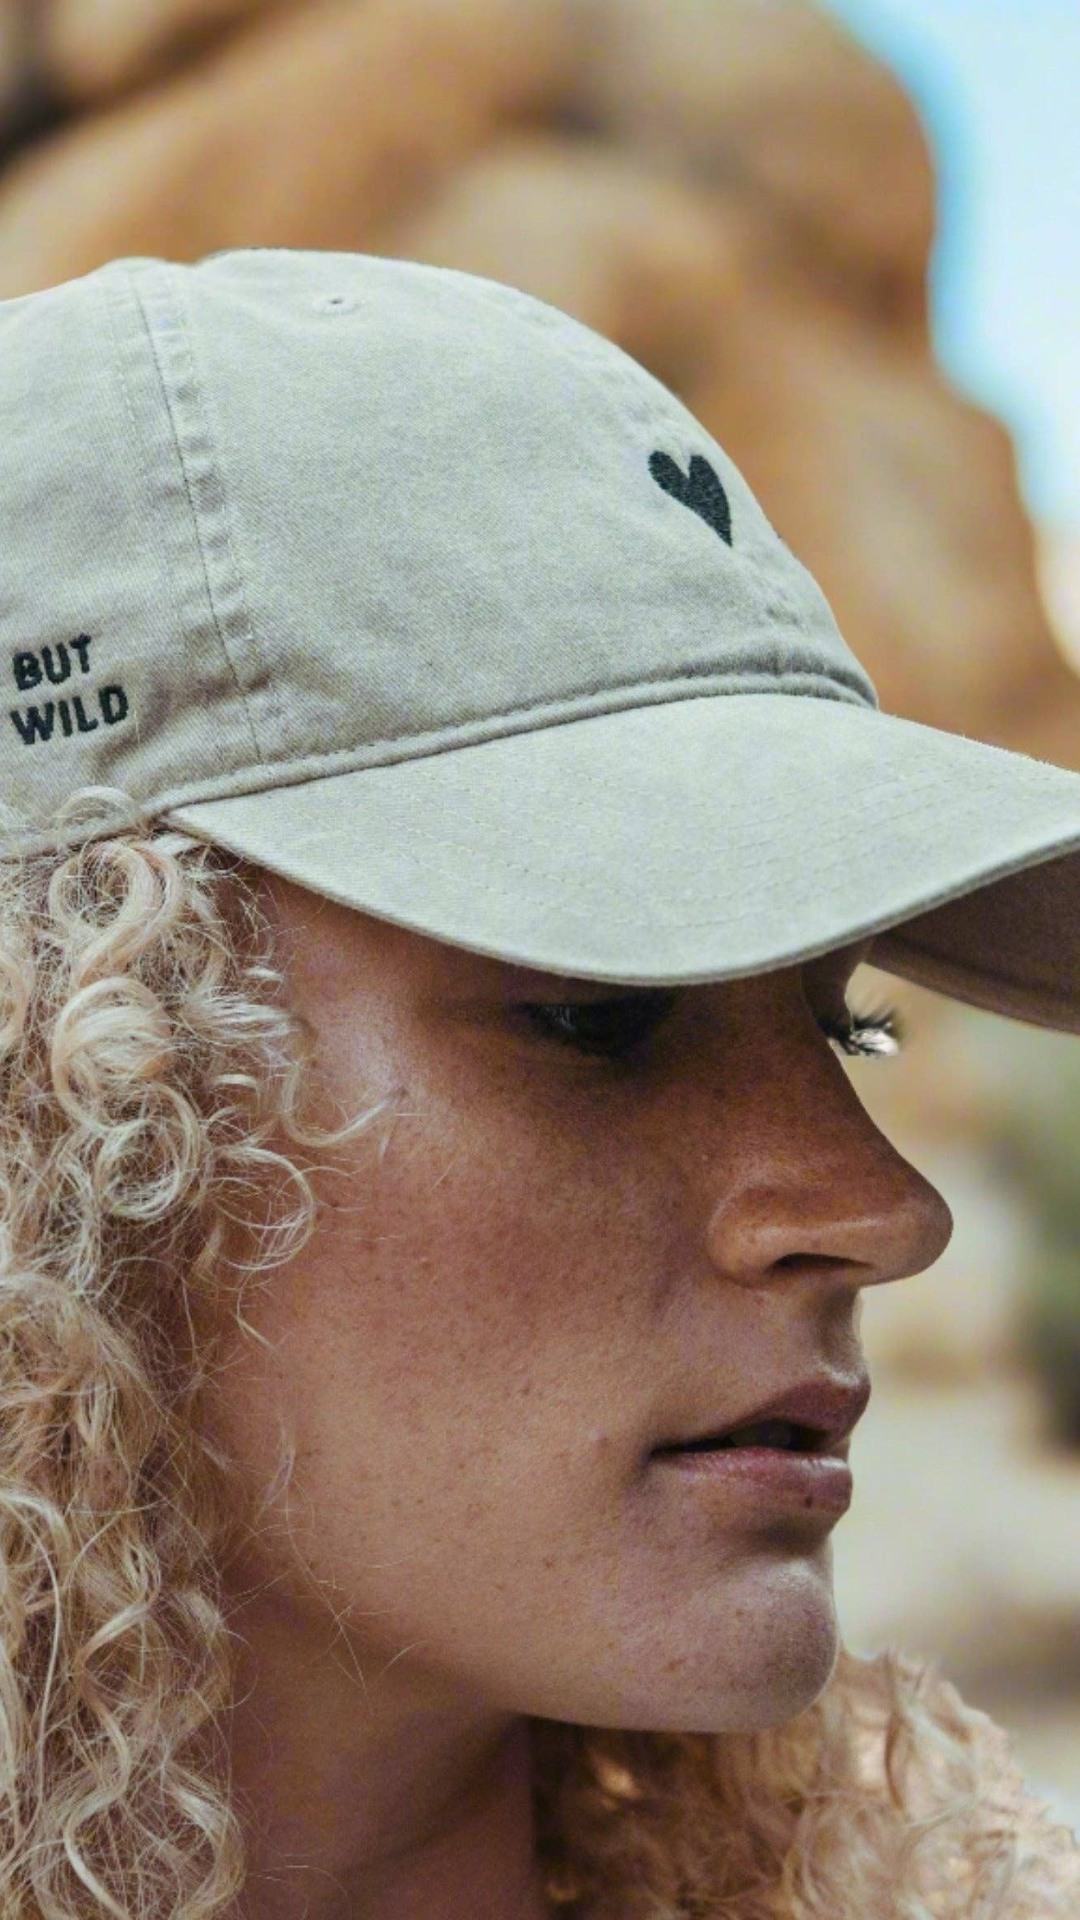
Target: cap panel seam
(111, 293)
(160, 327)
(267, 690)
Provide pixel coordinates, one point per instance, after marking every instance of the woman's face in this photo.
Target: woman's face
(557, 1262)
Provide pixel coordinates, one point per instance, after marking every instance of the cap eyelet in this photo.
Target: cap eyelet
(335, 303)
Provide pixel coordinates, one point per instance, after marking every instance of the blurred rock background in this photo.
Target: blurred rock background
(743, 198)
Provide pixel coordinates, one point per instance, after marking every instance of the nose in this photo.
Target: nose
(809, 1183)
(869, 1217)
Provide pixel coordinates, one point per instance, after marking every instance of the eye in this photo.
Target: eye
(611, 1029)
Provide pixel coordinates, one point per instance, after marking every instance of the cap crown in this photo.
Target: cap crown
(283, 513)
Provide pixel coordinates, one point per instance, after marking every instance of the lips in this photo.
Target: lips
(762, 1433)
(822, 1410)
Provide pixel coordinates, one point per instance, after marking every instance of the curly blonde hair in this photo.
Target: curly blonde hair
(151, 1071)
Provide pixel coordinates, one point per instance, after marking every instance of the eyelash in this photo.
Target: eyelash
(870, 1033)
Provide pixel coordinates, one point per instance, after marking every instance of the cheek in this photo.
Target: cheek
(487, 1276)
(461, 1344)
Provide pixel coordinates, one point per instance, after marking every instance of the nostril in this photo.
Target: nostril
(799, 1261)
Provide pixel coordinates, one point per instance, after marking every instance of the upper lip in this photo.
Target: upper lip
(831, 1406)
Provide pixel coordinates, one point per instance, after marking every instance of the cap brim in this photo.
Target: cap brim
(702, 839)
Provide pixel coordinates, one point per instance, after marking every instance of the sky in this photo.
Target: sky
(997, 86)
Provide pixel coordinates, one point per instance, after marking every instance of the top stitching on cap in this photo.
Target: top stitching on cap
(268, 692)
(153, 341)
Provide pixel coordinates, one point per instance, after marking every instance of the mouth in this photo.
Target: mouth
(815, 1416)
(783, 1435)
(772, 1464)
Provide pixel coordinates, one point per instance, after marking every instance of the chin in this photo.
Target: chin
(783, 1674)
(767, 1669)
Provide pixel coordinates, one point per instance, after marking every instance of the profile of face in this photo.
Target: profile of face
(548, 1264)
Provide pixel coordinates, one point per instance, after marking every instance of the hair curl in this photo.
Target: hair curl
(148, 1063)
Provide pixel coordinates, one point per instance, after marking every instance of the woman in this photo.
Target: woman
(441, 823)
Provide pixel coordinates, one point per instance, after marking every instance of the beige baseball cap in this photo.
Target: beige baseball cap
(421, 593)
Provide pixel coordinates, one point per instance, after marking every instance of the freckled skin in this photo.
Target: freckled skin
(556, 1263)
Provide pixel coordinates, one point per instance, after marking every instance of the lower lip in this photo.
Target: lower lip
(817, 1482)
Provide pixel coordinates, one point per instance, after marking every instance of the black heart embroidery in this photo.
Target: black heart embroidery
(701, 491)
